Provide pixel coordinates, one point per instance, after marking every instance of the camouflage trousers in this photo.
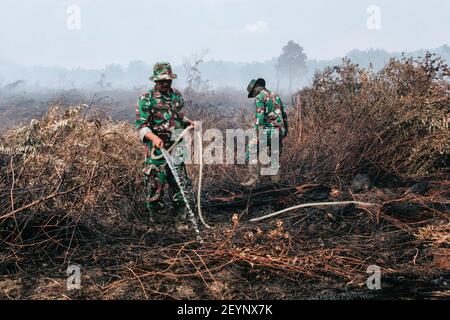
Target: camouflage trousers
(268, 154)
(267, 150)
(156, 177)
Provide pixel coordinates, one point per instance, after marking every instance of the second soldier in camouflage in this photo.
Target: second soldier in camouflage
(270, 116)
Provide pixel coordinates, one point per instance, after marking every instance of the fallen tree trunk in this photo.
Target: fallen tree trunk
(268, 194)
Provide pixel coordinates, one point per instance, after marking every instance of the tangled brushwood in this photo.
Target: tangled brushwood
(71, 193)
(391, 122)
(65, 171)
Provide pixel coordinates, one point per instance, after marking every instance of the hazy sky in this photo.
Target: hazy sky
(36, 32)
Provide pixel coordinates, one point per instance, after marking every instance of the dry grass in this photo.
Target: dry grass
(71, 191)
(352, 120)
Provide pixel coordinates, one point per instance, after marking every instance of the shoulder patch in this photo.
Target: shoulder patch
(145, 95)
(274, 96)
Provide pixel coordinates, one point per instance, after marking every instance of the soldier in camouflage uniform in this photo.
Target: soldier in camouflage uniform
(270, 115)
(159, 112)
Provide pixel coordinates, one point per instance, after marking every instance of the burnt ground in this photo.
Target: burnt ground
(71, 193)
(314, 253)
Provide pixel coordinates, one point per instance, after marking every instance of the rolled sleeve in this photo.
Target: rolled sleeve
(186, 120)
(143, 132)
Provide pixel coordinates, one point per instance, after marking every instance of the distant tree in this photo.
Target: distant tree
(15, 84)
(194, 81)
(138, 72)
(103, 83)
(375, 57)
(292, 63)
(114, 73)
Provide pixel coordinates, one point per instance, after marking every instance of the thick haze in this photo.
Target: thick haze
(36, 32)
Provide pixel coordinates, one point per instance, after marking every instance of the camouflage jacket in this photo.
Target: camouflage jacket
(160, 114)
(270, 112)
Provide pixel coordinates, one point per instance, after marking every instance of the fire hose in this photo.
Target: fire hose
(167, 152)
